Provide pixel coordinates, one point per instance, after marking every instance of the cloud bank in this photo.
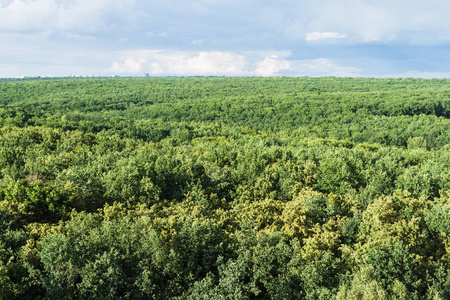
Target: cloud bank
(215, 63)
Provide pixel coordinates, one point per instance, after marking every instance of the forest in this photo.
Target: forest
(224, 188)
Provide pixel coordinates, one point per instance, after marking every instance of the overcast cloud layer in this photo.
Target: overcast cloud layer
(232, 38)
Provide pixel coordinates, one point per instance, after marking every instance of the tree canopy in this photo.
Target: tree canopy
(224, 188)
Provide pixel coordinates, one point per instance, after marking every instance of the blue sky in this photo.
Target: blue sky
(225, 38)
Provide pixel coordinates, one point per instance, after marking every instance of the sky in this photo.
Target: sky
(351, 38)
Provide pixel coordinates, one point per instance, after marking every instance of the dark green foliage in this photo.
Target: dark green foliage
(392, 264)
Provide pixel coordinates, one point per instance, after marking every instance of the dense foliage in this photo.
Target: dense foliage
(225, 188)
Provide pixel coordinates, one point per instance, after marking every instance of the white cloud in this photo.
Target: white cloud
(271, 66)
(181, 63)
(215, 62)
(131, 65)
(27, 15)
(156, 68)
(382, 21)
(65, 15)
(314, 36)
(227, 63)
